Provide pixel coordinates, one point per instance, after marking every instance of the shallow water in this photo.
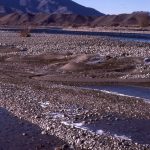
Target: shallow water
(121, 36)
(129, 129)
(144, 40)
(140, 92)
(118, 126)
(133, 129)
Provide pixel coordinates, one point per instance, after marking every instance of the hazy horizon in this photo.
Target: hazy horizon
(116, 6)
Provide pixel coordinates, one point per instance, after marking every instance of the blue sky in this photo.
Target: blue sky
(117, 6)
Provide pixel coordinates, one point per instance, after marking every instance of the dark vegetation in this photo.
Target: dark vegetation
(25, 32)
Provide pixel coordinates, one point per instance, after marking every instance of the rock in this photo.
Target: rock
(37, 117)
(58, 148)
(65, 147)
(147, 61)
(43, 132)
(23, 49)
(24, 134)
(108, 57)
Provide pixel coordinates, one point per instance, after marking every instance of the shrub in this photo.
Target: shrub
(25, 33)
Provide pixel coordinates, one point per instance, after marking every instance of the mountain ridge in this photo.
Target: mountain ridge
(75, 20)
(46, 6)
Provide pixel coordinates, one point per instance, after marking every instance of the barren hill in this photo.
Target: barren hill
(46, 6)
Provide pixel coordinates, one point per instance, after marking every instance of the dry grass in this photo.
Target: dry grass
(25, 33)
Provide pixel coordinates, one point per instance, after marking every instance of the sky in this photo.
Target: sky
(117, 6)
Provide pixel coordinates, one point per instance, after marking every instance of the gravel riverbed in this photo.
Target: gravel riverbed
(57, 116)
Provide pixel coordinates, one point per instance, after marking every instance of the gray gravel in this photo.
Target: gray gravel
(67, 112)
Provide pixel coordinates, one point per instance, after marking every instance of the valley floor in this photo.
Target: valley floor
(43, 104)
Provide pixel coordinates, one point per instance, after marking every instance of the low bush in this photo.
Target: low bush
(25, 33)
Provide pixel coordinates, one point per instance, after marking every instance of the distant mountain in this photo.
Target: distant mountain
(63, 13)
(45, 19)
(141, 19)
(133, 19)
(46, 6)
